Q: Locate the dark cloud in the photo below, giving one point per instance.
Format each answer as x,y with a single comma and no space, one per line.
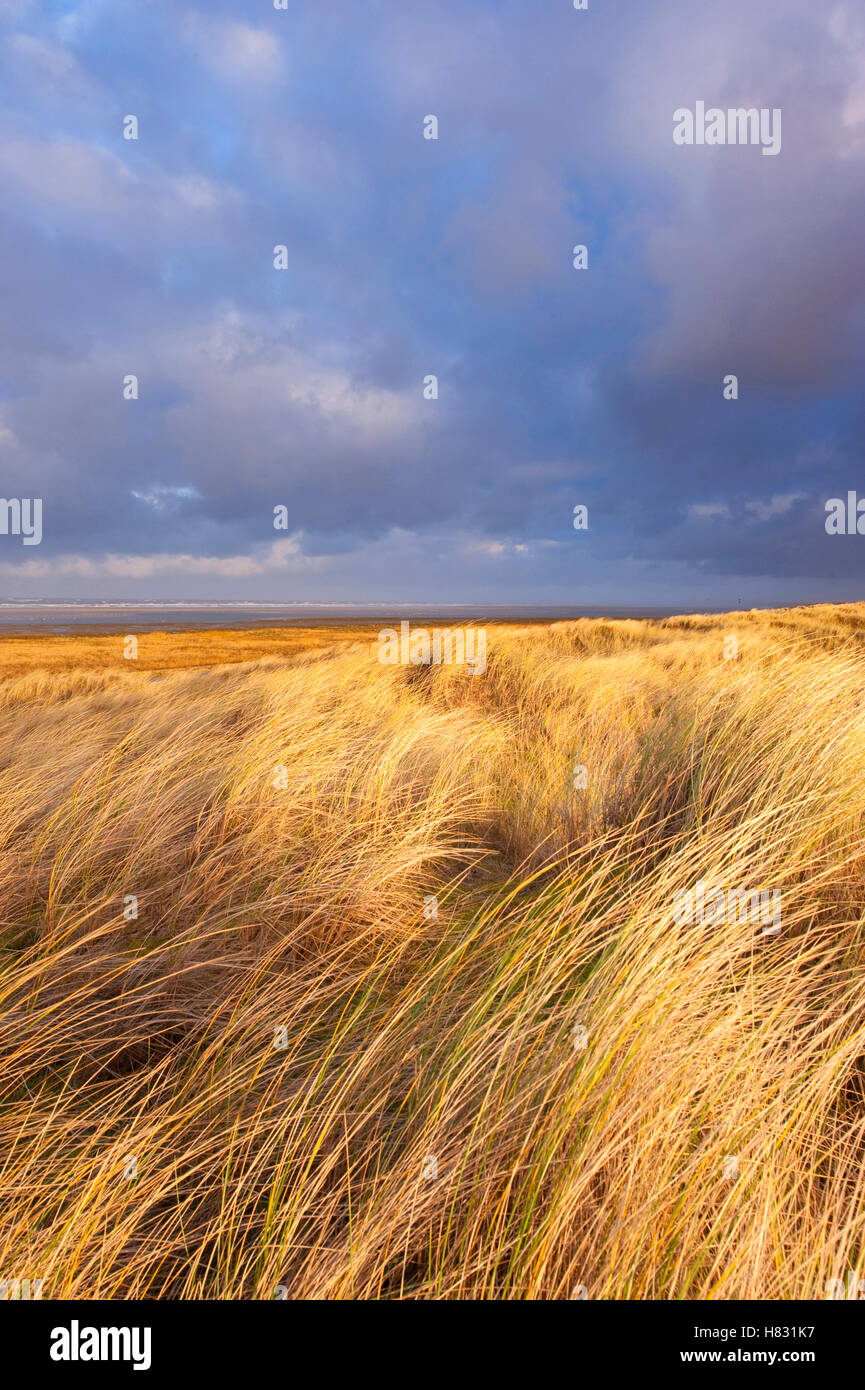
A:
409,257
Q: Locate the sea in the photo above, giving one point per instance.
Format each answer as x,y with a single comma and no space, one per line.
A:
50,616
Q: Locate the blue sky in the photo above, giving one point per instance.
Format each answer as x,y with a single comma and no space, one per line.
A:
303,387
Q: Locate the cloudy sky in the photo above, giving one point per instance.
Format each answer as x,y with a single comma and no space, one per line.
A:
407,257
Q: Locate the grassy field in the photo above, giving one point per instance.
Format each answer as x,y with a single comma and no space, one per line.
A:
166,651
320,977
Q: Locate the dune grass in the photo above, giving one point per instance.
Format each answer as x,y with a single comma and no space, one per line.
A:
244,1054
103,650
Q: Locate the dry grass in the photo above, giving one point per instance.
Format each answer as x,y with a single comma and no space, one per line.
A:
165,651
411,1043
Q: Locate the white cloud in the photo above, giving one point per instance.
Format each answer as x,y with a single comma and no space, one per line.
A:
285,554
239,369
234,50
495,548
94,189
709,511
159,498
778,505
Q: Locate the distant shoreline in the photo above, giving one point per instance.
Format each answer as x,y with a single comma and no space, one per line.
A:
31,619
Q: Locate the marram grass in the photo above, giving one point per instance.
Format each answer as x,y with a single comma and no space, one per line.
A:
243,1054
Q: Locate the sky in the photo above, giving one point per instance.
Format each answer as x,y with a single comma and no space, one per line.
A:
303,388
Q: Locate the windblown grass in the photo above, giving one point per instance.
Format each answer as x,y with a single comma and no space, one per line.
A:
429,1129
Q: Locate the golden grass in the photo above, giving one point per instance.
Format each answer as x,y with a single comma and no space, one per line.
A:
165,651
429,1128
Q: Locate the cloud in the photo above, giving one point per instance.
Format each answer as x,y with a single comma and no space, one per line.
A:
496,548
51,68
760,258
232,49
709,511
161,498
779,505
284,555
100,195
303,387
